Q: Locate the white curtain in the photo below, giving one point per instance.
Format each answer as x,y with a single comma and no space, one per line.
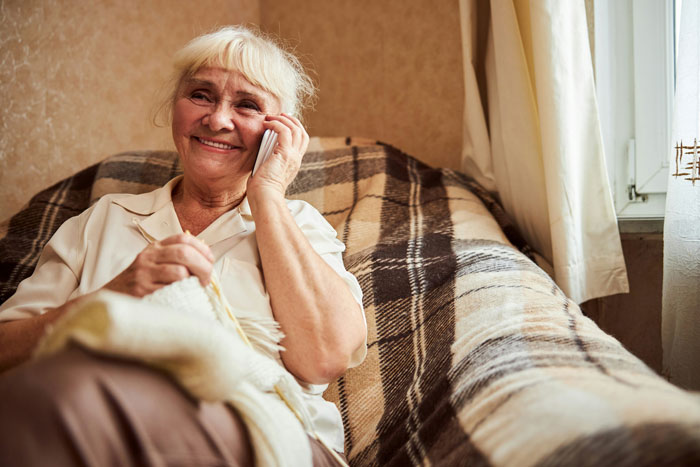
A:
532,134
681,290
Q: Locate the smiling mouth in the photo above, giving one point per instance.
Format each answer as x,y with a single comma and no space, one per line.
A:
214,144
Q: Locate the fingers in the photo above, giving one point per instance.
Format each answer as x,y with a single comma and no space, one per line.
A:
179,253
191,240
291,133
292,142
164,262
170,273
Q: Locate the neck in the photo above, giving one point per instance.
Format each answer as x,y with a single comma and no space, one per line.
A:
197,207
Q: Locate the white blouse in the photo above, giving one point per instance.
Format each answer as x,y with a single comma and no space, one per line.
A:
89,250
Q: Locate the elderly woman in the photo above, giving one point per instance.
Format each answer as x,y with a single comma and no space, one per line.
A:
274,257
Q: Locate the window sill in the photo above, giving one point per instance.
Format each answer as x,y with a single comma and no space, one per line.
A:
641,225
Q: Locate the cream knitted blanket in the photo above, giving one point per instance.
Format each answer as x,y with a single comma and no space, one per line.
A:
208,359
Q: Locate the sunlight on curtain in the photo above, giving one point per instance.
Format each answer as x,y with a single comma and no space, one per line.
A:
680,321
532,133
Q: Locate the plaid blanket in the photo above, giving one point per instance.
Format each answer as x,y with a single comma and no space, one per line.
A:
475,355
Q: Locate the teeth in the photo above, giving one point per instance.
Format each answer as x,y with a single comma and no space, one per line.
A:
215,144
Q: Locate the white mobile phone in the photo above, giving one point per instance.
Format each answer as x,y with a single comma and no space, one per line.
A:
267,145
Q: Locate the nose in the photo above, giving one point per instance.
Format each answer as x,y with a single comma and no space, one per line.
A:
220,118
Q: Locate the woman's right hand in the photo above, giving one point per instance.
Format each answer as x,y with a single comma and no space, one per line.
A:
164,262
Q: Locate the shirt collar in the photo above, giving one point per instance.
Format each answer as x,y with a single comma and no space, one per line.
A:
148,203
162,222
226,226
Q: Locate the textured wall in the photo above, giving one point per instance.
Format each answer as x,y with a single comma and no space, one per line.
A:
389,69
78,80
635,318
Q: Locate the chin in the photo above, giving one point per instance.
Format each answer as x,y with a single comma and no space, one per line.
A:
214,171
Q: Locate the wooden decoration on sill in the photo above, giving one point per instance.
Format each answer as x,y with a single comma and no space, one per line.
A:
693,166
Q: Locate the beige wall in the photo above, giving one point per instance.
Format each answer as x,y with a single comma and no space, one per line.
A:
78,78
390,70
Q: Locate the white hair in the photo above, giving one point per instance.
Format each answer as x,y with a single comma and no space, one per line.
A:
260,59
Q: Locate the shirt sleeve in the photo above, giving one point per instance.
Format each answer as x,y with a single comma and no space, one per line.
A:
324,240
54,279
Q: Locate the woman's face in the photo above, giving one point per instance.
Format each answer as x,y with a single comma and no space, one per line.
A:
218,123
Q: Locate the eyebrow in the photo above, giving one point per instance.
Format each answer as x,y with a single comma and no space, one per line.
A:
207,83
198,82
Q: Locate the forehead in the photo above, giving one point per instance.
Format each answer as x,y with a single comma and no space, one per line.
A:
230,83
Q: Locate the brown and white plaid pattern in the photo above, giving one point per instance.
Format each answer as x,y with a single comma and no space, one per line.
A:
475,357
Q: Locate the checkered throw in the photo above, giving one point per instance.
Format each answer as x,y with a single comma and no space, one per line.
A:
475,357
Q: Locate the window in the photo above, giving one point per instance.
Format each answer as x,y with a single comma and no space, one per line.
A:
634,65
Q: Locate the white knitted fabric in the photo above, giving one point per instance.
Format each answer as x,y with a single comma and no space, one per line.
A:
179,330
189,296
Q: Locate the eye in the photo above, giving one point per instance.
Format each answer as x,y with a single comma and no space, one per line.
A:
248,105
200,98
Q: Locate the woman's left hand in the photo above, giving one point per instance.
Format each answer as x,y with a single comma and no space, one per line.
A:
278,171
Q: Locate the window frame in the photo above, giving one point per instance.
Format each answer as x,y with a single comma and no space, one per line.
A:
634,69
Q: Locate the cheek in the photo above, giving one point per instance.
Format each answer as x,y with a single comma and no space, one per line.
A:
176,130
183,119
252,131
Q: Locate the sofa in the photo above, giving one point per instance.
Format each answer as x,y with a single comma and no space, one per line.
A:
475,356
